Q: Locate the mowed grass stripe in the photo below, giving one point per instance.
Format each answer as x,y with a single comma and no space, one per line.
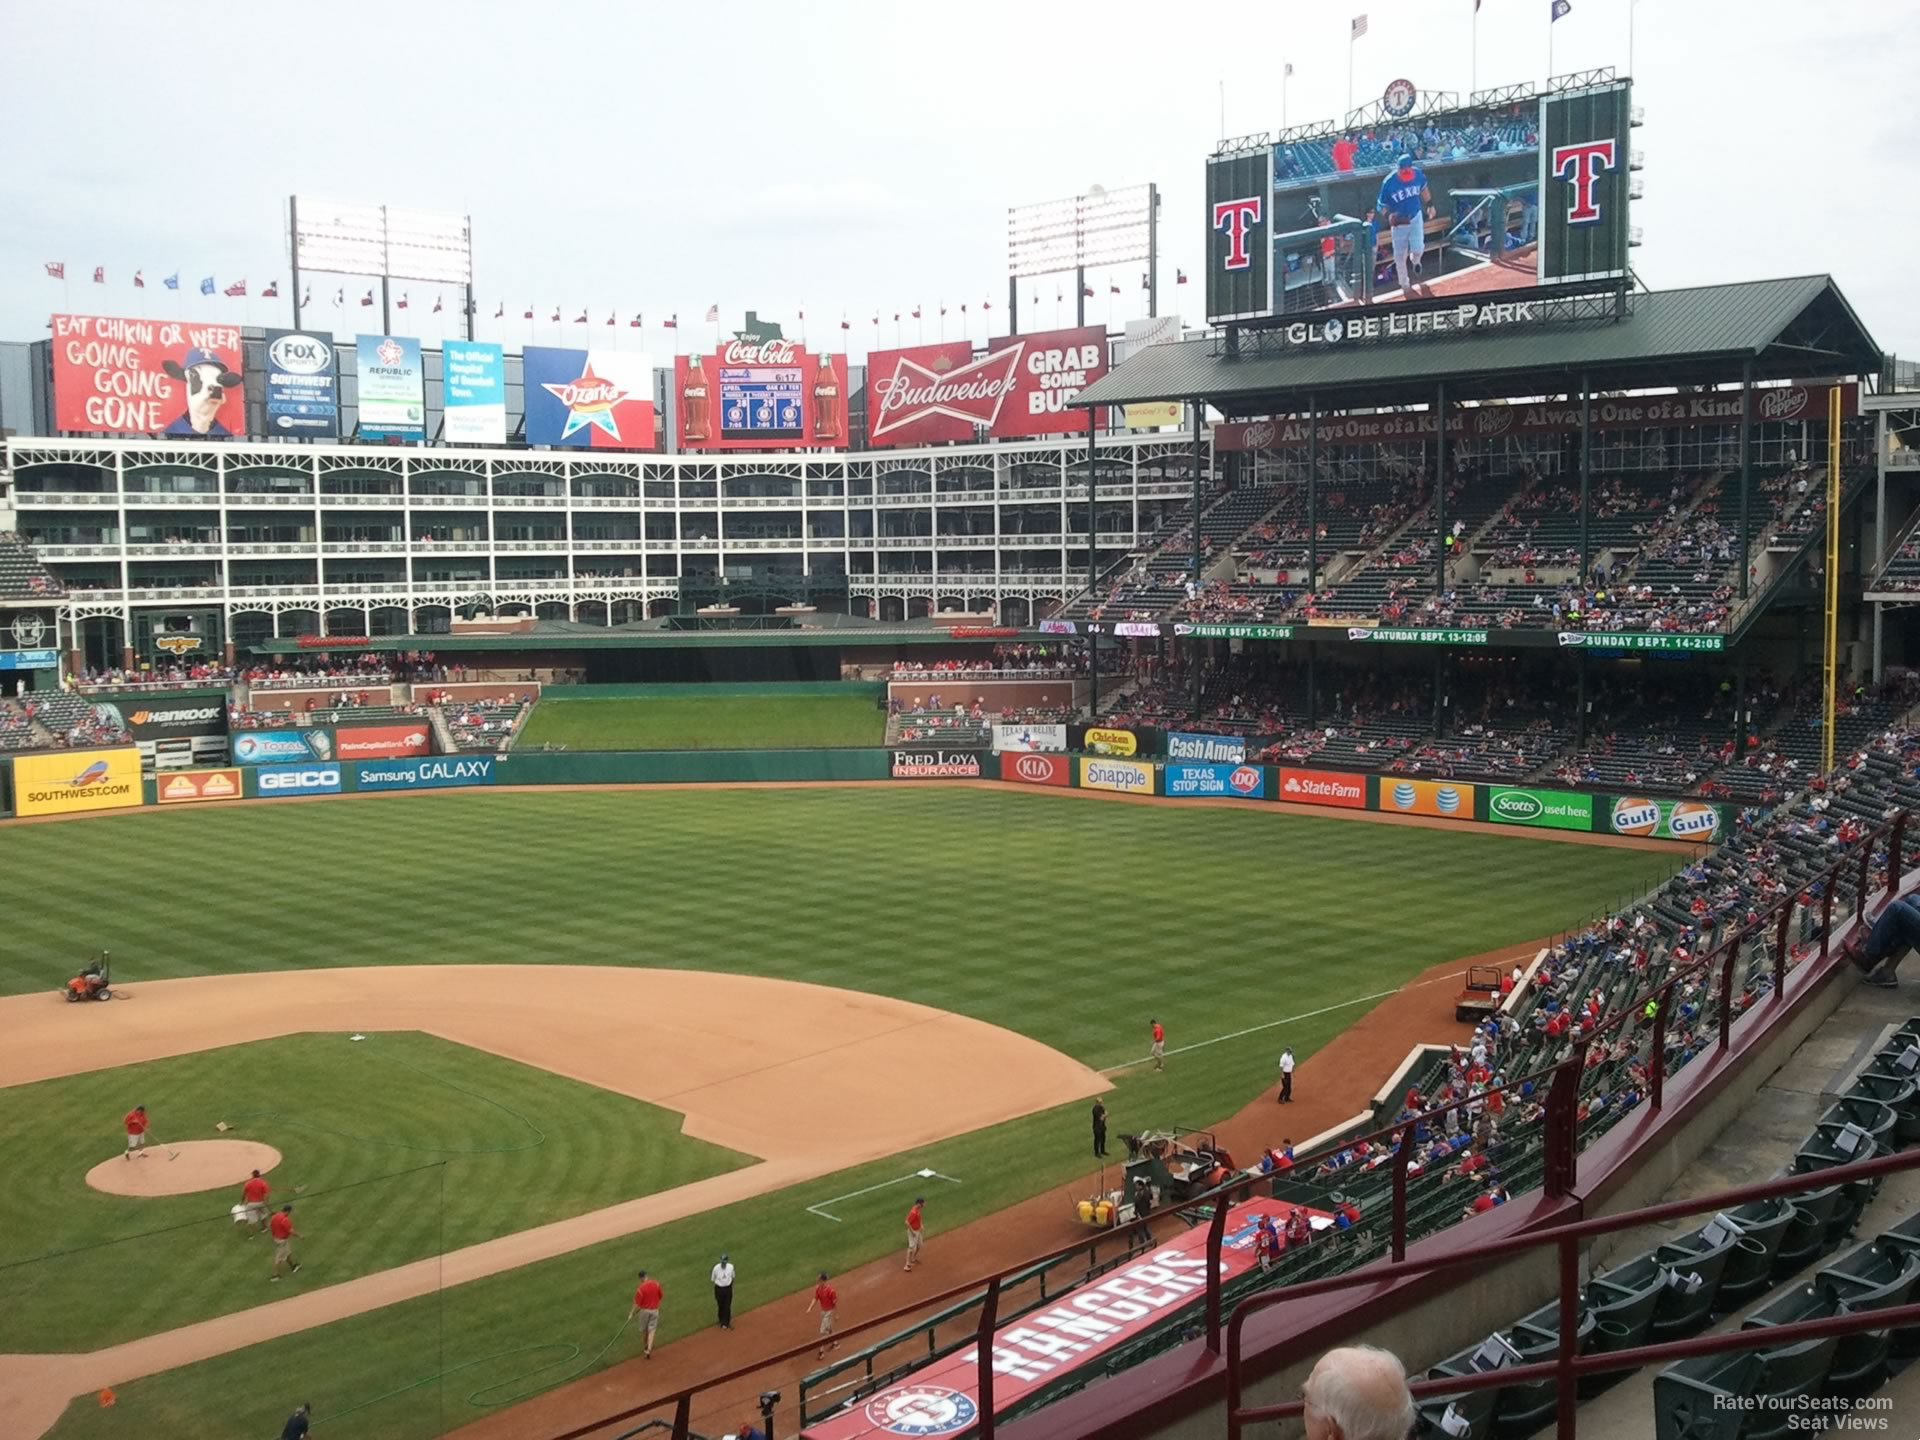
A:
706,722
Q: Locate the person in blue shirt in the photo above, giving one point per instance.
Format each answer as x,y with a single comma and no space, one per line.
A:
1408,204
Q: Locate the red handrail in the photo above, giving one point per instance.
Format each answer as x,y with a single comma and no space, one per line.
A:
1567,1365
1561,1170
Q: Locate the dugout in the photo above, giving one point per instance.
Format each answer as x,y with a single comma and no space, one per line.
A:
1568,383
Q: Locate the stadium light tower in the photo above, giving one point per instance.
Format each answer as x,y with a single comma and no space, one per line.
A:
1101,227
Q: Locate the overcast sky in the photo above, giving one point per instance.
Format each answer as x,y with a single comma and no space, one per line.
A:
853,158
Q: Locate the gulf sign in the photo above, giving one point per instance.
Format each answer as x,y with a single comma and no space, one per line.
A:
1128,777
1426,797
1246,782
1029,768
1322,787
147,377
1694,820
382,742
72,781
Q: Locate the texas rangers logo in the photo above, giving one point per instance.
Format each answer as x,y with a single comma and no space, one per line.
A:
922,1410
1236,217
589,401
1583,164
1399,98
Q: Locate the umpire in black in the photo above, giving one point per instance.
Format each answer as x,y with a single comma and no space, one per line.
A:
1100,1129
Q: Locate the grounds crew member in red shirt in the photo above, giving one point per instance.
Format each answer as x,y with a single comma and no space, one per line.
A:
253,1194
281,1228
828,1299
136,1123
913,1230
646,1304
1159,1047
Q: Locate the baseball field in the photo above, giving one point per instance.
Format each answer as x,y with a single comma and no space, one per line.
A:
716,717
613,1029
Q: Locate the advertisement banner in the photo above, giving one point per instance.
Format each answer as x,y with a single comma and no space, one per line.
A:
1129,777
1217,749
76,780
280,780
1111,742
1248,782
303,384
473,391
1048,370
1337,788
382,742
932,763
589,399
1154,415
179,787
434,773
172,731
927,394
1036,769
278,747
1236,632
1637,640
393,388
1426,797
1029,737
29,659
1663,819
150,377
768,394
1394,635
1547,809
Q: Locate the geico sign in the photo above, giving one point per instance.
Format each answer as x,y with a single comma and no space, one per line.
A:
327,779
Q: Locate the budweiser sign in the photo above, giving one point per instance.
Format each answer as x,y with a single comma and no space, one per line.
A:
920,388
764,352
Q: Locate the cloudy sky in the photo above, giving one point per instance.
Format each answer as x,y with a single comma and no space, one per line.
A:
852,158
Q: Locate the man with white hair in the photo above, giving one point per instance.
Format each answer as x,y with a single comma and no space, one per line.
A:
1358,1392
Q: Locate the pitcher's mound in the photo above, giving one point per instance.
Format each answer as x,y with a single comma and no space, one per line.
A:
200,1165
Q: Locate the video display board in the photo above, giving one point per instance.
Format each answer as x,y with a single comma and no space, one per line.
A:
761,395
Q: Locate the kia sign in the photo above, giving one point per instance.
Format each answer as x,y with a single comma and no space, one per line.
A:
382,742
1323,787
1247,782
303,384
931,763
281,780
1036,769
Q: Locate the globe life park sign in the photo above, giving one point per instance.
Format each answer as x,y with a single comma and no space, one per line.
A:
1468,317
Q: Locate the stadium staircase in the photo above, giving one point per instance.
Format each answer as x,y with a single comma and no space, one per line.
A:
442,732
1899,572
22,576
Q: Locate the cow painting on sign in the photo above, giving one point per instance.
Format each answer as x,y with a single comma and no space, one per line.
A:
208,379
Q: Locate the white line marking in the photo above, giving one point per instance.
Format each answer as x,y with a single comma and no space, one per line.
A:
821,1208
1284,1020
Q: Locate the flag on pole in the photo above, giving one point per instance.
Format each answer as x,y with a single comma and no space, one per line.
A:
206,285
339,298
307,299
1287,69
672,322
436,306
915,312
1179,277
713,313
1087,291
237,289
846,324
610,317
139,280
401,303
272,292
57,269
99,274
581,318
1359,27
499,309
634,323
963,307
172,282
367,299
943,309
1113,289
1145,283
1561,9
986,304
876,317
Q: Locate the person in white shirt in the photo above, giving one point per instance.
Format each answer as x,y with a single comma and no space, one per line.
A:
1286,1076
723,1291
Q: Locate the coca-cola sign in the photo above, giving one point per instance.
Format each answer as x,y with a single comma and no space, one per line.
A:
760,394
1050,371
764,352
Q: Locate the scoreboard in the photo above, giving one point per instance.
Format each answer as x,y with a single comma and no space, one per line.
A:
762,402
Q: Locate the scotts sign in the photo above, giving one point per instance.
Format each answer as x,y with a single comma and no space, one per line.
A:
1023,385
1773,405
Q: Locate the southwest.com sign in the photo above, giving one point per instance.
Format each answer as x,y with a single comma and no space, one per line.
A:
432,773
77,780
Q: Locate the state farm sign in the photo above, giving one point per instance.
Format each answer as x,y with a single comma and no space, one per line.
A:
1023,385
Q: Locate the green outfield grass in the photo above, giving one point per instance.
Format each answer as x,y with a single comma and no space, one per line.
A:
700,722
1067,919
404,1144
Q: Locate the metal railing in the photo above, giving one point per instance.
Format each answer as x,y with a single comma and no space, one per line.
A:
1560,1123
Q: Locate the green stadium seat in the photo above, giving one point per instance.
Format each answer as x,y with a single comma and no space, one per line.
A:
1698,1399
1872,1277
1522,1409
1806,1237
1899,1093
1697,1263
1763,1225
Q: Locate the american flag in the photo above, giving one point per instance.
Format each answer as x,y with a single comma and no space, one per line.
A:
99,274
237,289
1359,27
57,269
713,312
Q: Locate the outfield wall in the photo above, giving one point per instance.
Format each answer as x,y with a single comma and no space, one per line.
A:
328,771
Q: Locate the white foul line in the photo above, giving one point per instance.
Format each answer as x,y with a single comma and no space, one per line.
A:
821,1208
1283,1020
